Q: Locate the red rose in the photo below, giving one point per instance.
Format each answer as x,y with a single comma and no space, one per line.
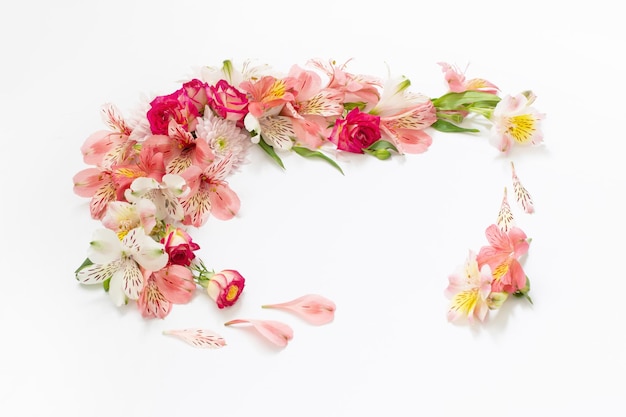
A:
176,106
179,247
356,132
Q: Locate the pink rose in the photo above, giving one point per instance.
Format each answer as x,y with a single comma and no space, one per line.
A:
356,132
228,102
179,247
176,106
225,287
196,92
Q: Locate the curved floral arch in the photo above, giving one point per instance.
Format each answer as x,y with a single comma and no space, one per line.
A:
154,175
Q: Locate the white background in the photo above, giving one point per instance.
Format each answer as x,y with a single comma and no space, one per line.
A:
379,241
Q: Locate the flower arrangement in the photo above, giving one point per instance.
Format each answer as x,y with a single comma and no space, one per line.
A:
156,175
487,278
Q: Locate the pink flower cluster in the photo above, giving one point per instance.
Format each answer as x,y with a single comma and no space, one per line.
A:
489,277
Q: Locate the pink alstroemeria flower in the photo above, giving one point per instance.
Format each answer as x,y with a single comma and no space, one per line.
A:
457,83
502,255
209,193
276,332
267,93
164,288
404,116
313,308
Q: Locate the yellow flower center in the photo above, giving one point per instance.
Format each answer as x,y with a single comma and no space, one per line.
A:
521,128
500,271
277,91
233,290
465,301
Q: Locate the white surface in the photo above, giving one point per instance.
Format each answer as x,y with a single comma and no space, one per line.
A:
380,241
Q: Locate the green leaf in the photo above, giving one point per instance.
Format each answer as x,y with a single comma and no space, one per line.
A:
382,144
358,104
454,101
308,153
271,152
445,126
85,264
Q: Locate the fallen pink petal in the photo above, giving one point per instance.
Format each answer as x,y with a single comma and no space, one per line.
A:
200,338
276,332
313,308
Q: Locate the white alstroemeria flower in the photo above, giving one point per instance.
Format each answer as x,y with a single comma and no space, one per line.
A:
122,216
164,195
277,131
228,72
119,261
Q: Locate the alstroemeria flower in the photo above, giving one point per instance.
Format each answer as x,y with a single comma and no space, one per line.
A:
313,108
354,88
457,83
515,122
267,93
225,287
120,261
164,195
171,285
469,290
502,255
404,116
276,332
313,308
121,216
209,193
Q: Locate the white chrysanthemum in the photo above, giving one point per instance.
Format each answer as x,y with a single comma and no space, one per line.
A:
224,137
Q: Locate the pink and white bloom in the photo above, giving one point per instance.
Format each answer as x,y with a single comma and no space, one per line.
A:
120,261
404,116
313,108
354,88
313,308
515,122
225,287
122,216
469,290
171,285
457,83
165,195
209,193
276,332
502,256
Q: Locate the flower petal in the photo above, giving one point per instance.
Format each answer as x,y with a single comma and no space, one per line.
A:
313,308
276,332
200,338
96,273
521,194
105,247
